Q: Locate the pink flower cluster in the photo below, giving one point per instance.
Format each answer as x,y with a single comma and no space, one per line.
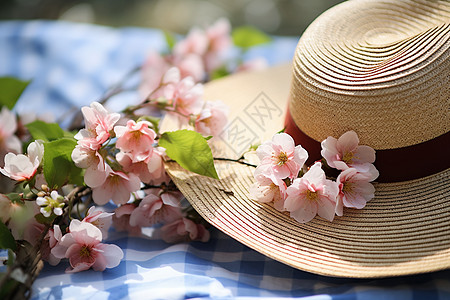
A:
22,167
83,246
182,98
282,178
8,126
159,207
114,176
118,158
201,52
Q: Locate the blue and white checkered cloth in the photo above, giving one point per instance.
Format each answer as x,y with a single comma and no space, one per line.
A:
74,64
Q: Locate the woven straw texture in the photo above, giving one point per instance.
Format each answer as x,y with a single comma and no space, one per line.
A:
375,67
383,65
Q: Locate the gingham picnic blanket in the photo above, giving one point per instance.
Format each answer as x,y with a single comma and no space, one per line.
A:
72,65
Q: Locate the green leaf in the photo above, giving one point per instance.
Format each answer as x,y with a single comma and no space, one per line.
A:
40,130
11,257
58,165
219,73
247,36
10,91
6,238
190,150
170,39
14,197
69,134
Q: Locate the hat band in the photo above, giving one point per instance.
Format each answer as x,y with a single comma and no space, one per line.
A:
394,165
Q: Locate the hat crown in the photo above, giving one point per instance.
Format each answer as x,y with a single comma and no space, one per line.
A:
381,69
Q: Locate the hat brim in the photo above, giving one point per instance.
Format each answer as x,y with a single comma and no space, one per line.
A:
404,230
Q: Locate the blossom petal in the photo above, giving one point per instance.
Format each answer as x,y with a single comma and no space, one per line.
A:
35,152
261,193
306,212
315,173
364,154
339,205
112,255
281,172
348,142
101,195
285,141
326,209
362,192
78,268
59,251
86,229
329,150
371,174
300,155
294,202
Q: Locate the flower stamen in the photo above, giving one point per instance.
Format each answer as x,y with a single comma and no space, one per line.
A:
85,251
347,187
282,158
311,196
348,157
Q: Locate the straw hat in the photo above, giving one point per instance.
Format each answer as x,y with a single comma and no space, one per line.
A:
382,69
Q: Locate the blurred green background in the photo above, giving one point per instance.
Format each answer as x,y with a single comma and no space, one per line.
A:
279,17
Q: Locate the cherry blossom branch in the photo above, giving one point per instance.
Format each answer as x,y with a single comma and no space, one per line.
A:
239,160
118,87
113,91
25,269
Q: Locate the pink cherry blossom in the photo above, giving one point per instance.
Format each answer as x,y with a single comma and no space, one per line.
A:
153,71
99,218
184,230
155,165
121,219
8,126
184,94
195,42
172,76
151,170
190,65
52,238
188,54
219,35
344,153
23,167
117,187
219,39
83,247
355,189
265,190
136,139
93,162
99,123
139,168
156,209
280,158
312,194
212,119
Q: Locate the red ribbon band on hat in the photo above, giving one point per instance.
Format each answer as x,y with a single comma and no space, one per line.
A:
394,165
